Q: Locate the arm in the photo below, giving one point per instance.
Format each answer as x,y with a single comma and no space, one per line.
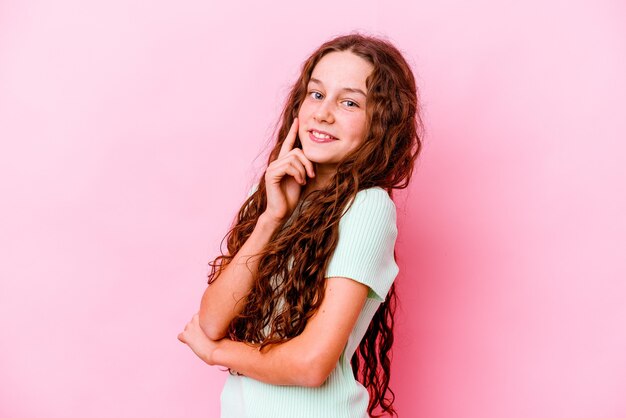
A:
223,299
309,358
284,177
362,262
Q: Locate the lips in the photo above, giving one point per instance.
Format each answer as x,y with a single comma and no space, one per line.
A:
320,140
322,132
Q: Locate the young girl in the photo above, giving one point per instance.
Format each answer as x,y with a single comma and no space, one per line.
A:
302,305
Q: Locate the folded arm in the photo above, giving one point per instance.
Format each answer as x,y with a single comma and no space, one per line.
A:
309,358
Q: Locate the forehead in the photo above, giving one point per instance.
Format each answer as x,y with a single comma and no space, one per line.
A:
342,69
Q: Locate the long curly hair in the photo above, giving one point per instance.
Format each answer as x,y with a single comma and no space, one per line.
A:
385,159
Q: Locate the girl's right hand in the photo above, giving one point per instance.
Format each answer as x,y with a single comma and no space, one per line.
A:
285,177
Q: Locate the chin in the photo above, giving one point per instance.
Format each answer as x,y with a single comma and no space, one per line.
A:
315,157
307,153
317,154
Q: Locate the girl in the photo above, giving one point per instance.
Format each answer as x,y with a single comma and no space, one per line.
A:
302,305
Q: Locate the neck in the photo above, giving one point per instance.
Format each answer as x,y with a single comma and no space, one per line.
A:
322,177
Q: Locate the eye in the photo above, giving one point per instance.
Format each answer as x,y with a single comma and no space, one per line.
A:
354,104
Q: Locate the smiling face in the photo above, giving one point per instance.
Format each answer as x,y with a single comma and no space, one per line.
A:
334,104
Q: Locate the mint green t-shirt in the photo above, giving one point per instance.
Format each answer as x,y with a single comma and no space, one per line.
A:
364,253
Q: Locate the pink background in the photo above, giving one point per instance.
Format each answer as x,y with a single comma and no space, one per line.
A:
130,132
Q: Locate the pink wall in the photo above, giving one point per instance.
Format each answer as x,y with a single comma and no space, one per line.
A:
120,122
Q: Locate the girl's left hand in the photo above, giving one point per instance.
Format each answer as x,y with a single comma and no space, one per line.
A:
197,340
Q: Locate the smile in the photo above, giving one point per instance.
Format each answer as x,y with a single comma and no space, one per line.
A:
320,138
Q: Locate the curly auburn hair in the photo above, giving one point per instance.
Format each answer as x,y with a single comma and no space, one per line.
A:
386,159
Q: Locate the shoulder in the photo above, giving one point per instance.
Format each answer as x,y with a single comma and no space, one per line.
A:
371,203
366,242
375,194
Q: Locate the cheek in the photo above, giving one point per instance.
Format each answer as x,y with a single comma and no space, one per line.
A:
304,105
358,127
301,136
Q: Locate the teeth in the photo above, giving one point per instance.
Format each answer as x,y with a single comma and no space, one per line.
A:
319,135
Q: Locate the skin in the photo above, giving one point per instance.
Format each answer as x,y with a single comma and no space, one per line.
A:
309,358
329,108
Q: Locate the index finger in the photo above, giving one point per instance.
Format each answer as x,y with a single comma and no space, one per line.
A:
290,139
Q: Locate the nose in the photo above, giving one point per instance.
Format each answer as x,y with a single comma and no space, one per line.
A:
324,113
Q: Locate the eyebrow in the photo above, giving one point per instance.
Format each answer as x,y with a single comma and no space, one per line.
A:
350,89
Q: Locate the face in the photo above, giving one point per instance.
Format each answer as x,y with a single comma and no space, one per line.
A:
334,104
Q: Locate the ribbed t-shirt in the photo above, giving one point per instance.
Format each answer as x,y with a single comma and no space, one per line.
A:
364,253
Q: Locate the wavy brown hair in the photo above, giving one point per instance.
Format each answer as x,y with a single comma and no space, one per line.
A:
386,159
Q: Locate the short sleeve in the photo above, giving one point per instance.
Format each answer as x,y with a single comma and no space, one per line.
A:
367,237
